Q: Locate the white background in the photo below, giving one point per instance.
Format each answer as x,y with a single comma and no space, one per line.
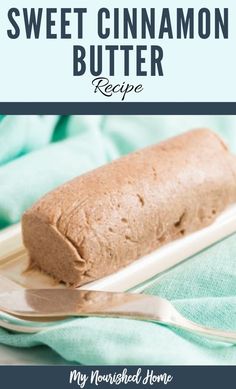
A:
42,70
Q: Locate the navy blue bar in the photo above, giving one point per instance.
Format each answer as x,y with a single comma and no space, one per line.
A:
108,108
183,377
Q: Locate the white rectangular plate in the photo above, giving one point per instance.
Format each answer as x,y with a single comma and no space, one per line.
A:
13,257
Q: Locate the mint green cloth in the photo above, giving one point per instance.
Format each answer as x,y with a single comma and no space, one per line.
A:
203,288
22,134
24,180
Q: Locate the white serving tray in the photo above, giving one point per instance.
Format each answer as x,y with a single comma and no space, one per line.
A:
13,258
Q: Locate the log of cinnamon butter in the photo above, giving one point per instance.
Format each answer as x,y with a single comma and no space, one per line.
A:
107,218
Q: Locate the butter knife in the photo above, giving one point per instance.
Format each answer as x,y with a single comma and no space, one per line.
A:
46,305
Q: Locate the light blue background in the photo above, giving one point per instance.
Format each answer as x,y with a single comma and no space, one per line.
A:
41,70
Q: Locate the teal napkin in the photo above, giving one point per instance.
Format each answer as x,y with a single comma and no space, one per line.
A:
202,288
22,134
24,180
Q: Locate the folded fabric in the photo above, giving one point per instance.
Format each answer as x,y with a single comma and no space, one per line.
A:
69,126
24,180
202,288
129,133
22,134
